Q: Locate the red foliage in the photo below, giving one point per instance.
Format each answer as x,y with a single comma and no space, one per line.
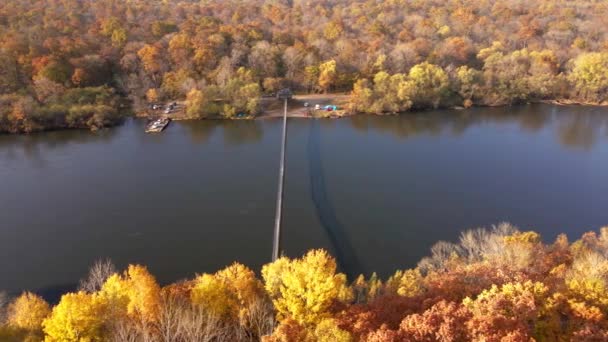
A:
444,321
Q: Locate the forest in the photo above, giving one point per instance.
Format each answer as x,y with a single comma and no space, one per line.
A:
90,63
495,284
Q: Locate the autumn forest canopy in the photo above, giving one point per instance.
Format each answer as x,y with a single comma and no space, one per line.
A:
497,284
86,63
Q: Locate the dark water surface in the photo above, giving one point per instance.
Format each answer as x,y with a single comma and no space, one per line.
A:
376,191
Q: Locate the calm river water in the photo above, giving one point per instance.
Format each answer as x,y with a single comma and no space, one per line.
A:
375,191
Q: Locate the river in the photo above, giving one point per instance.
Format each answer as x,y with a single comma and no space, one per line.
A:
377,192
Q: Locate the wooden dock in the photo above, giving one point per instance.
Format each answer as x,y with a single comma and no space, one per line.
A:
158,125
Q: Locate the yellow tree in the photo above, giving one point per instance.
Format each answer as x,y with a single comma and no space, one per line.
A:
327,75
195,103
361,97
304,289
228,293
180,48
144,293
405,283
366,290
136,293
328,331
242,282
468,84
214,296
589,76
175,83
151,59
28,311
430,84
587,279
152,95
333,30
203,103
78,317
113,29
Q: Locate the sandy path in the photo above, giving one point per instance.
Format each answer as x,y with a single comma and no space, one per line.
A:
272,108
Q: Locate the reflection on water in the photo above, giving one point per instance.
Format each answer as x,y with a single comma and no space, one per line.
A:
200,131
581,131
574,126
577,127
239,132
33,146
235,132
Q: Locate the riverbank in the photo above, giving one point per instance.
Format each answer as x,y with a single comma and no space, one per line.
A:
273,108
568,102
296,108
542,290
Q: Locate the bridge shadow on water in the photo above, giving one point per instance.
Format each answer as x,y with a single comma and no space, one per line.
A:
338,236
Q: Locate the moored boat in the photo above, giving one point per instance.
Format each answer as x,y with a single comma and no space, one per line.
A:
158,125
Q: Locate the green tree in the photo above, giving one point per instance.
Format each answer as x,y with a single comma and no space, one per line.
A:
58,71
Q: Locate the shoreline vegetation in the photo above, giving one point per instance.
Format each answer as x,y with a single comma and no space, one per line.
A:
89,64
497,284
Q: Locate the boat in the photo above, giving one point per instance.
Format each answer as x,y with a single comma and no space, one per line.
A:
158,125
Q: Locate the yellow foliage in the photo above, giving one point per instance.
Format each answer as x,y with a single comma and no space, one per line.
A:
152,95
305,288
114,291
215,296
144,293
406,283
149,56
136,293
327,75
529,237
228,293
496,48
587,279
77,318
272,275
242,282
430,83
332,31
590,75
586,312
179,41
444,30
517,251
592,290
366,290
509,291
469,82
328,331
28,311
